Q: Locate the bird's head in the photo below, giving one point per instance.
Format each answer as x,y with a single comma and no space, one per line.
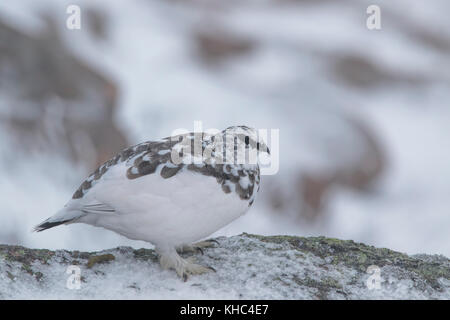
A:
249,137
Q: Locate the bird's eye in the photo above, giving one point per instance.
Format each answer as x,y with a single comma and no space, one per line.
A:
247,140
257,146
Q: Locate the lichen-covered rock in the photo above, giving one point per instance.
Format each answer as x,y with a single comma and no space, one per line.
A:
248,267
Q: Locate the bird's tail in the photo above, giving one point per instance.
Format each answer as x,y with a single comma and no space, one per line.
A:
63,216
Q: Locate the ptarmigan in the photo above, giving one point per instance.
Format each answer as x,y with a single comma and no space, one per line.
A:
171,192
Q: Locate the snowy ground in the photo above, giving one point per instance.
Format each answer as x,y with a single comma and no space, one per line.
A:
247,267
164,87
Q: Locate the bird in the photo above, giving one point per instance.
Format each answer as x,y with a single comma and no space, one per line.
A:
171,192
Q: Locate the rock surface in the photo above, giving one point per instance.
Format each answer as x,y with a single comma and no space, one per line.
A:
248,267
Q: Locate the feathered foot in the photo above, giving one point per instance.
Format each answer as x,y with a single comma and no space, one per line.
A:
184,267
196,247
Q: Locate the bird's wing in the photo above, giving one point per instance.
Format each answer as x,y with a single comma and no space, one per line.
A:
97,208
140,160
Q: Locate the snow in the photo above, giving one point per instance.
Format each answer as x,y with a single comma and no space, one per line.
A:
246,268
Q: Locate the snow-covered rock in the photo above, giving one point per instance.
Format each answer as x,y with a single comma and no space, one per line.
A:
248,267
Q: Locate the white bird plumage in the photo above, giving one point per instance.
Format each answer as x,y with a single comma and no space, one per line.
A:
143,195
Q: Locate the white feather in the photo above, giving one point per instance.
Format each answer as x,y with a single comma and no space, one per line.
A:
181,209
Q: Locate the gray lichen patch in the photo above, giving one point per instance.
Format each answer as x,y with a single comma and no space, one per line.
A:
145,255
103,258
25,255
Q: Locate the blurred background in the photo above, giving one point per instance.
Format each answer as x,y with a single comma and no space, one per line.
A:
364,115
